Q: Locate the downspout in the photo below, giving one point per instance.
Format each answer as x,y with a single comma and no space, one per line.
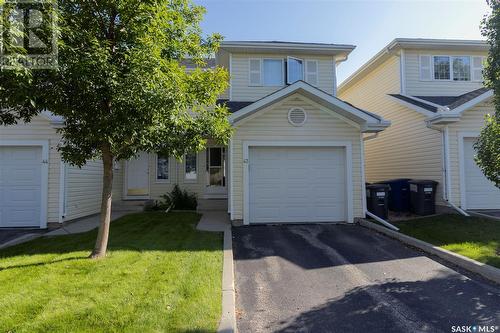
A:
363,180
446,168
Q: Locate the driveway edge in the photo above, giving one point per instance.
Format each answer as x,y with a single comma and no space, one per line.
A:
227,323
486,271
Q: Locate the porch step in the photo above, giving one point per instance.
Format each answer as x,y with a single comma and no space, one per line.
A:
129,205
212,204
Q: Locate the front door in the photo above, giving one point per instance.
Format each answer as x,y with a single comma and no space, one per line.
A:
216,171
138,177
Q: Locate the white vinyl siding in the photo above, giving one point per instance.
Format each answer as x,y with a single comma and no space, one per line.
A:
272,125
406,149
471,122
419,81
83,190
242,90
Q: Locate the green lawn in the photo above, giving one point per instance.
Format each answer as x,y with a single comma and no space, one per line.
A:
473,237
160,275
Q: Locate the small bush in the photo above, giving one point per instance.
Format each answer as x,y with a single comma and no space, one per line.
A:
179,199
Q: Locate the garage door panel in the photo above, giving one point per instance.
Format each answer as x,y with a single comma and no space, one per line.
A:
480,193
308,184
21,186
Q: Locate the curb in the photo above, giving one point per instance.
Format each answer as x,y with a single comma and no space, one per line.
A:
21,239
227,323
489,272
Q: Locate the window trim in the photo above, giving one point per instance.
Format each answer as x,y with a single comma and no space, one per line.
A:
282,72
470,68
161,181
450,68
287,67
186,180
250,84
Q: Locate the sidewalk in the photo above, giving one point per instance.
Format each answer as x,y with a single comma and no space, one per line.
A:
81,225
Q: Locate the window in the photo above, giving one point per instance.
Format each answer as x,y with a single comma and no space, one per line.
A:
273,72
161,167
190,166
441,68
295,70
254,72
461,68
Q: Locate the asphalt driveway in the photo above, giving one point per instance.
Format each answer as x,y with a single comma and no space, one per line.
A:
345,278
7,235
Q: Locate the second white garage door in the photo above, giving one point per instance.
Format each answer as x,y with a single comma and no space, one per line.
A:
297,184
20,186
480,193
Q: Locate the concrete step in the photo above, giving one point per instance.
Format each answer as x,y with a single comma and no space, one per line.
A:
129,205
212,204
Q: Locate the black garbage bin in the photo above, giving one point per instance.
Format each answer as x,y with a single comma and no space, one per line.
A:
377,196
423,196
399,194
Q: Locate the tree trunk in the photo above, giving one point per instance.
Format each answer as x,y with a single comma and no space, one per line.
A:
101,243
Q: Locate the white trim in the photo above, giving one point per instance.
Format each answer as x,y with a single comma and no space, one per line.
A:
363,176
62,191
461,165
446,143
162,181
430,70
348,157
473,102
481,67
44,173
413,106
231,76
295,87
334,76
290,119
402,72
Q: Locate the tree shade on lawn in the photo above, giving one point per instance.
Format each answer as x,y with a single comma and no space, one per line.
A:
161,275
473,237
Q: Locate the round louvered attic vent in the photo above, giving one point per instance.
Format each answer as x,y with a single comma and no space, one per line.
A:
297,116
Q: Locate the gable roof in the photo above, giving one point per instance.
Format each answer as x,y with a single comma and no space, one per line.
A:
411,43
233,106
369,122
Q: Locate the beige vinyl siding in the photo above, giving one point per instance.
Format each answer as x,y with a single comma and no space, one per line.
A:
176,176
272,125
83,189
407,149
40,129
416,87
472,121
241,91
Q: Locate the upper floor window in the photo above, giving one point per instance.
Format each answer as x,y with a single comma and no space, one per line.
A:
451,68
270,72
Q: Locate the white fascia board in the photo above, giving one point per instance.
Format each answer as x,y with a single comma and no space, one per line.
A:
473,102
296,87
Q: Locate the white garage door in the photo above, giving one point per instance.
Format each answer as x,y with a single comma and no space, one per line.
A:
20,186
480,193
297,184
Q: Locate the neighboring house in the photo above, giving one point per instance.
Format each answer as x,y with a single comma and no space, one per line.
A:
432,92
296,154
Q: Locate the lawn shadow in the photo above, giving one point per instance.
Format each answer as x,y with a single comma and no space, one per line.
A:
35,264
149,231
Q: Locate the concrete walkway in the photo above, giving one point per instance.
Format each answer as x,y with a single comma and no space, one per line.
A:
84,224
216,221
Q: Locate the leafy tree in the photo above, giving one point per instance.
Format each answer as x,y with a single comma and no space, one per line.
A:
121,87
488,144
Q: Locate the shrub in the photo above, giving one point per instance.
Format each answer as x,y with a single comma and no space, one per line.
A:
179,199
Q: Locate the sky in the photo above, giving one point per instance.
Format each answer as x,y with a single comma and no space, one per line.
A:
370,25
